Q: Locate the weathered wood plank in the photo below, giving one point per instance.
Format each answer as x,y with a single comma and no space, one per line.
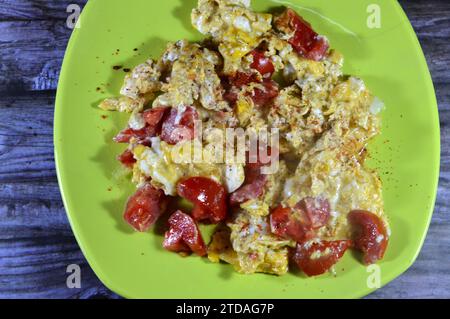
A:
429,18
436,53
32,53
13,10
38,269
36,241
26,139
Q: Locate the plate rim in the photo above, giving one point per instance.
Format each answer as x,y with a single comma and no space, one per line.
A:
89,255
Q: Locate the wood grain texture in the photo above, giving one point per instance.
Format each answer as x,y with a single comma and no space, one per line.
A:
36,242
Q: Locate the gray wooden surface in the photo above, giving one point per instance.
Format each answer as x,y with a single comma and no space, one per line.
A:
36,242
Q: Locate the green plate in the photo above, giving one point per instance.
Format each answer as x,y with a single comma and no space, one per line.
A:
134,265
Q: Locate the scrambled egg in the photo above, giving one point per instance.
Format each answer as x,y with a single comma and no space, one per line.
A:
325,119
250,247
164,164
233,25
193,68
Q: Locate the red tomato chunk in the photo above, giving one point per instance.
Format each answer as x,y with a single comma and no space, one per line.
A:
253,188
305,40
153,119
370,235
209,196
260,96
127,158
145,207
179,127
262,64
300,222
183,235
255,181
318,258
141,136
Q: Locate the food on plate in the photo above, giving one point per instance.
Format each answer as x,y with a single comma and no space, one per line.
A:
300,202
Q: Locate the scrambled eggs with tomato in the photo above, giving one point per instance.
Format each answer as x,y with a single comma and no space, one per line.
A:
254,71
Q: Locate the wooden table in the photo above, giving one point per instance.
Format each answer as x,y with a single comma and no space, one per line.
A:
36,242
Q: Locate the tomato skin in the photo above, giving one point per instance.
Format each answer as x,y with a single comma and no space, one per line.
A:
145,207
299,223
262,64
318,50
287,224
173,241
199,213
304,40
154,118
177,128
240,79
127,158
142,136
317,211
232,84
208,195
255,180
332,250
262,97
252,189
183,235
370,235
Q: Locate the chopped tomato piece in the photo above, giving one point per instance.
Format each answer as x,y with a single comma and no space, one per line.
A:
145,207
318,258
127,158
184,235
142,136
300,222
173,241
233,84
200,213
287,223
370,235
317,211
252,189
304,40
209,196
230,96
255,180
318,50
261,97
179,127
154,118
240,79
262,64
